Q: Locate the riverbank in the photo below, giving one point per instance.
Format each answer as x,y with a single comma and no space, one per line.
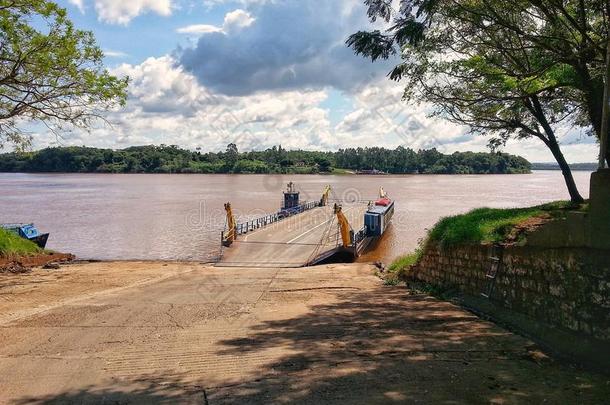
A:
18,255
20,264
486,226
543,271
152,332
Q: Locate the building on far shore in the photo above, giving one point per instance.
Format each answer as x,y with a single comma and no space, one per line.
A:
373,171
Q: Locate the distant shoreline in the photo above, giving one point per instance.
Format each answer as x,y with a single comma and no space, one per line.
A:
299,174
276,160
574,167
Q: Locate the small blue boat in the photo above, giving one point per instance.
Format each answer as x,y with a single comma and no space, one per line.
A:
29,232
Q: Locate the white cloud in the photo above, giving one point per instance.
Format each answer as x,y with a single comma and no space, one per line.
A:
198,29
245,3
234,21
381,118
168,105
79,4
237,19
292,45
536,151
123,11
114,54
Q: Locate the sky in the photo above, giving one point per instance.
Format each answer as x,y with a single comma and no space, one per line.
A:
258,73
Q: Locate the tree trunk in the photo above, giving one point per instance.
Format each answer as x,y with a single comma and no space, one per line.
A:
594,99
551,142
575,196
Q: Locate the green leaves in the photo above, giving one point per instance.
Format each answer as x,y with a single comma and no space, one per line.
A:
407,31
374,45
50,71
504,68
484,63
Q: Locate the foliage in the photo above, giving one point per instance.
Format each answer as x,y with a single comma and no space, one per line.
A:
49,71
505,68
13,245
404,160
400,266
403,262
171,159
588,167
397,271
490,225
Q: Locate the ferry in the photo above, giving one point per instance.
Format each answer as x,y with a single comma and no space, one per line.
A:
378,216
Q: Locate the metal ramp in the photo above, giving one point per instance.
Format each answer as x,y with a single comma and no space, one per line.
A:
295,241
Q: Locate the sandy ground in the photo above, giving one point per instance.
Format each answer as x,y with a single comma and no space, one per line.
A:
139,332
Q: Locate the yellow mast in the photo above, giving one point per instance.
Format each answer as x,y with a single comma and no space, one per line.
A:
382,193
231,226
343,227
325,194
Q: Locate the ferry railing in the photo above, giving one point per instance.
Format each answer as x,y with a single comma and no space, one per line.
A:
359,236
360,200
249,226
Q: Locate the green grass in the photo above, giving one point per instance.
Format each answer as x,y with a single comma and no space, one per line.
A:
397,270
12,245
483,225
491,225
403,262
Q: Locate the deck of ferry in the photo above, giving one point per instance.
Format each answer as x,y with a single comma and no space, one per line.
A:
296,241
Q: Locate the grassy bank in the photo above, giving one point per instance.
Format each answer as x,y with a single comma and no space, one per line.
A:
494,225
485,225
12,245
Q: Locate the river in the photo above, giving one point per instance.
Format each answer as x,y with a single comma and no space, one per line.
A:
180,216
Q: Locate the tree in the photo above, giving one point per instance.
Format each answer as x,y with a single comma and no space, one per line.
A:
324,165
231,156
169,159
50,72
508,69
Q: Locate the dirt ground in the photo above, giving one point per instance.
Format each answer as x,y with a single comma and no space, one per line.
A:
151,332
24,263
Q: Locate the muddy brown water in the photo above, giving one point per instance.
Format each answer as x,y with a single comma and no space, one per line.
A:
179,217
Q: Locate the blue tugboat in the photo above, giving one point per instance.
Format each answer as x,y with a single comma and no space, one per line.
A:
378,216
29,232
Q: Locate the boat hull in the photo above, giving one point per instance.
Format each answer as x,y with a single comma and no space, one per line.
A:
41,240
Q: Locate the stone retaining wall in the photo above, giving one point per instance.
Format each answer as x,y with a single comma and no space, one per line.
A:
567,287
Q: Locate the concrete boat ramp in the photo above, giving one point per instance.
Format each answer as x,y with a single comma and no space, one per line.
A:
299,240
185,333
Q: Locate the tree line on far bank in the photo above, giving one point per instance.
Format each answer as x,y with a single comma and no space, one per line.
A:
172,159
